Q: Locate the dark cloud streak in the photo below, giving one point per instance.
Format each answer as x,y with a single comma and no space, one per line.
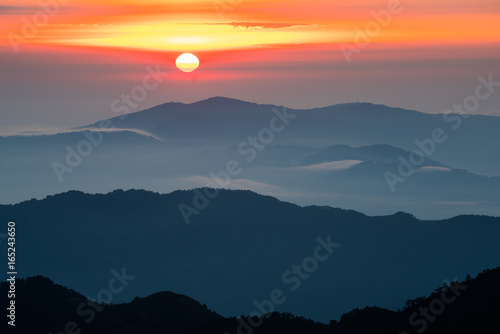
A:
259,25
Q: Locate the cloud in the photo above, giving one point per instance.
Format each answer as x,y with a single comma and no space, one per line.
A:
136,131
433,169
12,10
242,184
457,203
330,166
261,25
11,131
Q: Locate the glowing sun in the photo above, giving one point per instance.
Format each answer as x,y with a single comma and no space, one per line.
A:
187,62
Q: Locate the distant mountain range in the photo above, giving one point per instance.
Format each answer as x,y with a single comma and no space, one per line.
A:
471,306
261,229
240,246
471,140
375,179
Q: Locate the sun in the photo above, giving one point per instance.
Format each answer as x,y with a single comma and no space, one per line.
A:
187,62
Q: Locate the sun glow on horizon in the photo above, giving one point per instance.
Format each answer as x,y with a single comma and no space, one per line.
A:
148,25
187,62
290,39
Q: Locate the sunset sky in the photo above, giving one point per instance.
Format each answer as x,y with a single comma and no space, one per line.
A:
67,70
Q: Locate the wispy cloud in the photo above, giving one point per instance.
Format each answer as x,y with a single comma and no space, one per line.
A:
457,203
261,25
330,166
242,184
15,10
37,131
433,169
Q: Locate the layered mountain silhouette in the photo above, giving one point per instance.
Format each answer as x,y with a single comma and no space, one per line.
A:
45,307
470,142
358,156
240,246
471,306
260,231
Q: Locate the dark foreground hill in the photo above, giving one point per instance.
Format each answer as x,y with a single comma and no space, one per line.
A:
44,307
467,307
241,246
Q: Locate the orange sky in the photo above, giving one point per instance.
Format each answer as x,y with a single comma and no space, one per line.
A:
178,25
259,39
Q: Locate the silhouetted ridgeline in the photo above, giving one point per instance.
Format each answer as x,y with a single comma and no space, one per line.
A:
469,307
241,246
472,145
392,163
44,307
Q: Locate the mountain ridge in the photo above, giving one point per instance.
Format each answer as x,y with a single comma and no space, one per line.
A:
473,305
219,120
237,230
78,194
227,102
